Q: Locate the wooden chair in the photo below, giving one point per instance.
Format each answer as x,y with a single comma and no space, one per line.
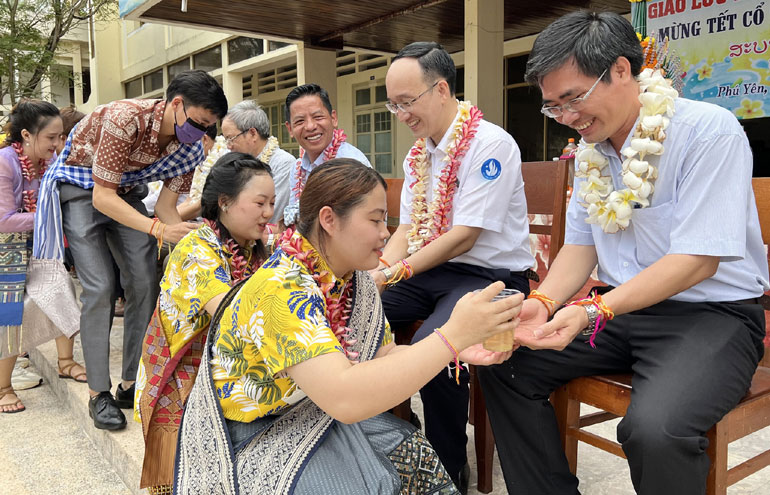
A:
393,195
612,394
545,186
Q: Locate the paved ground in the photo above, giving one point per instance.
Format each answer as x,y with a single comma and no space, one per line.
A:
42,450
53,448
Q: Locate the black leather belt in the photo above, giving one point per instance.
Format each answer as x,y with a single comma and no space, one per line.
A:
753,300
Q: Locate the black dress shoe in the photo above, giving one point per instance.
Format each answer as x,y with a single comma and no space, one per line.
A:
105,413
462,479
125,398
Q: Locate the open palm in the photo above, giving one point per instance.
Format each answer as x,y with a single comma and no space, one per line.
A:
476,354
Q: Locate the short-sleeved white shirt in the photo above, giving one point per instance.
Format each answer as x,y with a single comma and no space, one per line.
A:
703,204
490,195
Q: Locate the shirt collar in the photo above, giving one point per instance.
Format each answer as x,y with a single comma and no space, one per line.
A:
442,145
321,267
319,160
157,116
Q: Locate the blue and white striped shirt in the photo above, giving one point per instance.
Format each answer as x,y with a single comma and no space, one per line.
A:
346,150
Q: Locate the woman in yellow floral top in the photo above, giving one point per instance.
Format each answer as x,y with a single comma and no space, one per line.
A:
302,363
236,202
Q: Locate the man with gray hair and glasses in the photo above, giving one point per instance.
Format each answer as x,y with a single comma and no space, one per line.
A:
683,263
246,129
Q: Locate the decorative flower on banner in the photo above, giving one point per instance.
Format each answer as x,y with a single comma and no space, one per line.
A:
704,72
749,109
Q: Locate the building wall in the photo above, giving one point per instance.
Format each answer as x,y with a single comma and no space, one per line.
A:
142,49
247,78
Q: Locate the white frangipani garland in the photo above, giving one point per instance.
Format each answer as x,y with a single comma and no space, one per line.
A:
267,152
607,207
202,171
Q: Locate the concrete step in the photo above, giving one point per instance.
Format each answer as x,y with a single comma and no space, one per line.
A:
122,450
44,450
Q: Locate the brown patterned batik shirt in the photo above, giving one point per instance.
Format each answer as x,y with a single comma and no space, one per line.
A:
122,136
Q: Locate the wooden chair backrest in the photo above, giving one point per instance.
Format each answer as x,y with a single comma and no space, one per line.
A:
393,195
545,185
761,187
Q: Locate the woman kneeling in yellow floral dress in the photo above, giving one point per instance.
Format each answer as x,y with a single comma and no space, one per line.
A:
302,363
236,203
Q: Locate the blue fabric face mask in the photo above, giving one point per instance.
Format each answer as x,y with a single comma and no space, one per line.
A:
190,131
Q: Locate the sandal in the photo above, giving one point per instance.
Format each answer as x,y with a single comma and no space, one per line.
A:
9,391
66,371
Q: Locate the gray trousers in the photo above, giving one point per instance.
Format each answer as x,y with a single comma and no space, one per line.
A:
95,240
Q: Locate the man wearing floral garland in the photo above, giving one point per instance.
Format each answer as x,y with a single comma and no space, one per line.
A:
93,195
312,121
683,260
463,224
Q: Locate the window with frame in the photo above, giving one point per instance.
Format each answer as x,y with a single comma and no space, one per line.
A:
539,138
276,112
243,48
133,88
153,80
208,60
374,128
178,67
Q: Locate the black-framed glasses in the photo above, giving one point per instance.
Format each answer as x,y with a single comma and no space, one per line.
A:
404,107
571,106
229,141
193,123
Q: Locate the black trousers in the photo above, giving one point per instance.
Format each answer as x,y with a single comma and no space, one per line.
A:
431,296
692,363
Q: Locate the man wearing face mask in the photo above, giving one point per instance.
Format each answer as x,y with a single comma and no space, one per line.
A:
93,194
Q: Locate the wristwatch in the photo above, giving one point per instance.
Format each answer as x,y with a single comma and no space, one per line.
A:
593,315
387,272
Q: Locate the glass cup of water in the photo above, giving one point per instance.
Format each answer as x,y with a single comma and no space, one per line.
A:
503,341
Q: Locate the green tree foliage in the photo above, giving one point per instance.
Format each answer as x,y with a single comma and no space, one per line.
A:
30,33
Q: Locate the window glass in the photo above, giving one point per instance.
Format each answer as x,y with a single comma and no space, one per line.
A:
153,81
134,88
242,48
208,60
178,67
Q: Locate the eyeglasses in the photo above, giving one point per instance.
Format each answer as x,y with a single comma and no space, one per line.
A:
192,122
230,140
404,107
571,106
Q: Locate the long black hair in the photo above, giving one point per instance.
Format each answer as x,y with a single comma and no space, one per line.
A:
29,114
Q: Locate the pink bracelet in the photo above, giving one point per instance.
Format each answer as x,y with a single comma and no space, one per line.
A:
437,331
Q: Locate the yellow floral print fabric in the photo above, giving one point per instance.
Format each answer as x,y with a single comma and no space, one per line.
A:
277,320
197,271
